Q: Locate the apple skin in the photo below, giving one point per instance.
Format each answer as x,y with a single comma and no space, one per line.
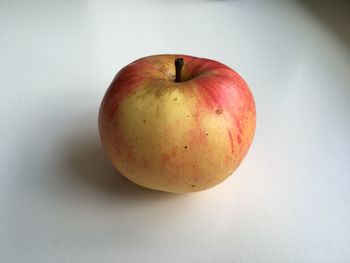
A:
177,136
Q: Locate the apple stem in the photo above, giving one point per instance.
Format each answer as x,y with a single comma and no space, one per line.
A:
179,62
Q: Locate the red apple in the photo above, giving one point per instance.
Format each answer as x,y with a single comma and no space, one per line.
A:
177,123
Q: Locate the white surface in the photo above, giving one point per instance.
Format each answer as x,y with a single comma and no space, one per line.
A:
60,199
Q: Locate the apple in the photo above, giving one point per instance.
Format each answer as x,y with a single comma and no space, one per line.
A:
177,123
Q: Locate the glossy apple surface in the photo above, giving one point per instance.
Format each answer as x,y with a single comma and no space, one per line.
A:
177,136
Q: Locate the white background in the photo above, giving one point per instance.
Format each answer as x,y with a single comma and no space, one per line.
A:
61,200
